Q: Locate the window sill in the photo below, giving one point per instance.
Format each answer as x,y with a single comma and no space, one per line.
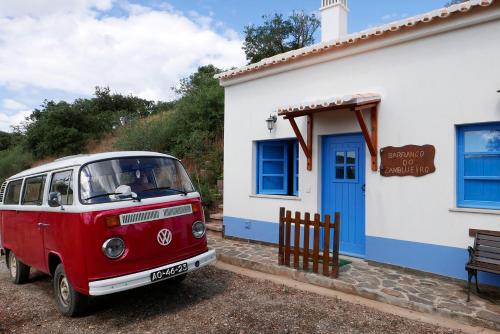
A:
288,198
472,210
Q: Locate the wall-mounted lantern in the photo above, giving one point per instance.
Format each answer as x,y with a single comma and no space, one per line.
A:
271,121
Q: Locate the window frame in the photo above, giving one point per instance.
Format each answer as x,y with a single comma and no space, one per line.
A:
8,188
42,192
345,165
461,202
78,184
71,182
290,167
296,168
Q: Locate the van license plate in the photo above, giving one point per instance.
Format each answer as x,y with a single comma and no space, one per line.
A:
169,272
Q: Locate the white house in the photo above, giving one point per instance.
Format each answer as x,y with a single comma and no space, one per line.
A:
426,80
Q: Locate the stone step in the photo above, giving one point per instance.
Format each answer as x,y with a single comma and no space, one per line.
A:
212,226
217,216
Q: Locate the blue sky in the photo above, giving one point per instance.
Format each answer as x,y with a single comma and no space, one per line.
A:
363,13
61,50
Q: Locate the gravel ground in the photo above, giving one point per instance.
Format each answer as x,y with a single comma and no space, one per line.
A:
208,301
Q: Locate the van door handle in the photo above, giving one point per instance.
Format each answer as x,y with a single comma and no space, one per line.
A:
43,225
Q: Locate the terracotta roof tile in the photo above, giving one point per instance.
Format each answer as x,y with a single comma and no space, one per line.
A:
331,102
352,39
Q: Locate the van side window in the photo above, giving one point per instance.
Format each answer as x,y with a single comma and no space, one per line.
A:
13,193
62,183
33,190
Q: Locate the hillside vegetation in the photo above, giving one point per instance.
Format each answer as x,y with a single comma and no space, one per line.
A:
190,128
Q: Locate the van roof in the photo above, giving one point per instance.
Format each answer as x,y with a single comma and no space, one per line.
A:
78,160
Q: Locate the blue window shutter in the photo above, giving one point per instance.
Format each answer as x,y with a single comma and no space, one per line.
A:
273,168
478,166
460,165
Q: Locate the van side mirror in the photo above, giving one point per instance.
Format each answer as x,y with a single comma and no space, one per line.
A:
55,199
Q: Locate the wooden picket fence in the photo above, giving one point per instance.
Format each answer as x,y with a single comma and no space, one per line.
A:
285,248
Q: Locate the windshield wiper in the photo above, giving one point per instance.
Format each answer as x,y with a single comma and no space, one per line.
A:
166,188
111,194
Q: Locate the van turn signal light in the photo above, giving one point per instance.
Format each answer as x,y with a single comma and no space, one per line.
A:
196,207
112,221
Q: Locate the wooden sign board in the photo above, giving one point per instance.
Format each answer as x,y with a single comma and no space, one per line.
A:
410,160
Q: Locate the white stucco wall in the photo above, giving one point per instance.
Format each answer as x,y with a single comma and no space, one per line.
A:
427,85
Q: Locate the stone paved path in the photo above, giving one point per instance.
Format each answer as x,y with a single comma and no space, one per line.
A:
405,288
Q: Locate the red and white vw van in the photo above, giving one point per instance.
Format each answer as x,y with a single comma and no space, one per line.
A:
102,223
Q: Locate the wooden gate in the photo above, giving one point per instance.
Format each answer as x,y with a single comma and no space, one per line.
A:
285,248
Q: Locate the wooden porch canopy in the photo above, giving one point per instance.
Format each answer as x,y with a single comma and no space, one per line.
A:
356,103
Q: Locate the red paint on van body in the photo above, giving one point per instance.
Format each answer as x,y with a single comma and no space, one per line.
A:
77,239
21,233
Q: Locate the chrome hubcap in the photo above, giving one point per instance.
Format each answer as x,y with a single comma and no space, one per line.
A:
64,290
13,265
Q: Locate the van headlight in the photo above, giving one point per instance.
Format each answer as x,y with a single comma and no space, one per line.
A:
198,229
113,248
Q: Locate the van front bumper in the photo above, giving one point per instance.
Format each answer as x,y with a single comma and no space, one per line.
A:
132,281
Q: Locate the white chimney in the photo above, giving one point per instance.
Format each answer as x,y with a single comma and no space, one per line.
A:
333,19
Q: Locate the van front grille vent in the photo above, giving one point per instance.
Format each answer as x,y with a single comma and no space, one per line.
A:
2,191
150,215
139,217
177,211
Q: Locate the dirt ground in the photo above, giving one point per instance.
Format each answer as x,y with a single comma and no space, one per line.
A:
208,301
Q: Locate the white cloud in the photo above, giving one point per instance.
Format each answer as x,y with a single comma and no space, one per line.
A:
13,104
72,47
38,8
8,120
491,135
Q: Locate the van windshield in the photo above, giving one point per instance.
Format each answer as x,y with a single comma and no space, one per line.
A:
146,176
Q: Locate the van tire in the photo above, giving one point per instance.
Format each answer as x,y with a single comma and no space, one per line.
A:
19,272
70,302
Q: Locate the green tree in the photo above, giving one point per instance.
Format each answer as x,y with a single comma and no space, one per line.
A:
6,140
57,128
191,129
12,161
279,34
61,128
454,2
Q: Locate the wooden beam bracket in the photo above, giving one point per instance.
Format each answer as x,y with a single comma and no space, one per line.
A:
370,135
306,146
370,138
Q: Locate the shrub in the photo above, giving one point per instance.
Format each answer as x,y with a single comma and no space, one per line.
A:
63,128
191,130
6,140
12,161
144,134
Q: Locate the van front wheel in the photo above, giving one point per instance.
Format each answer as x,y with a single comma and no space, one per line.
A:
19,272
70,302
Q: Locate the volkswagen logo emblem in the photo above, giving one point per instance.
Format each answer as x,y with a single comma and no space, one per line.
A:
164,237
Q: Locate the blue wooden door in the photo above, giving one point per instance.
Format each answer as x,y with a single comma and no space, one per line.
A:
343,189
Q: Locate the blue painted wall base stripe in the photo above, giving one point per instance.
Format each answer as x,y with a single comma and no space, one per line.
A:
441,260
251,229
436,259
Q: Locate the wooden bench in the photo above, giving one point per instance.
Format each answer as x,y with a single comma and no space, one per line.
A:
484,256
